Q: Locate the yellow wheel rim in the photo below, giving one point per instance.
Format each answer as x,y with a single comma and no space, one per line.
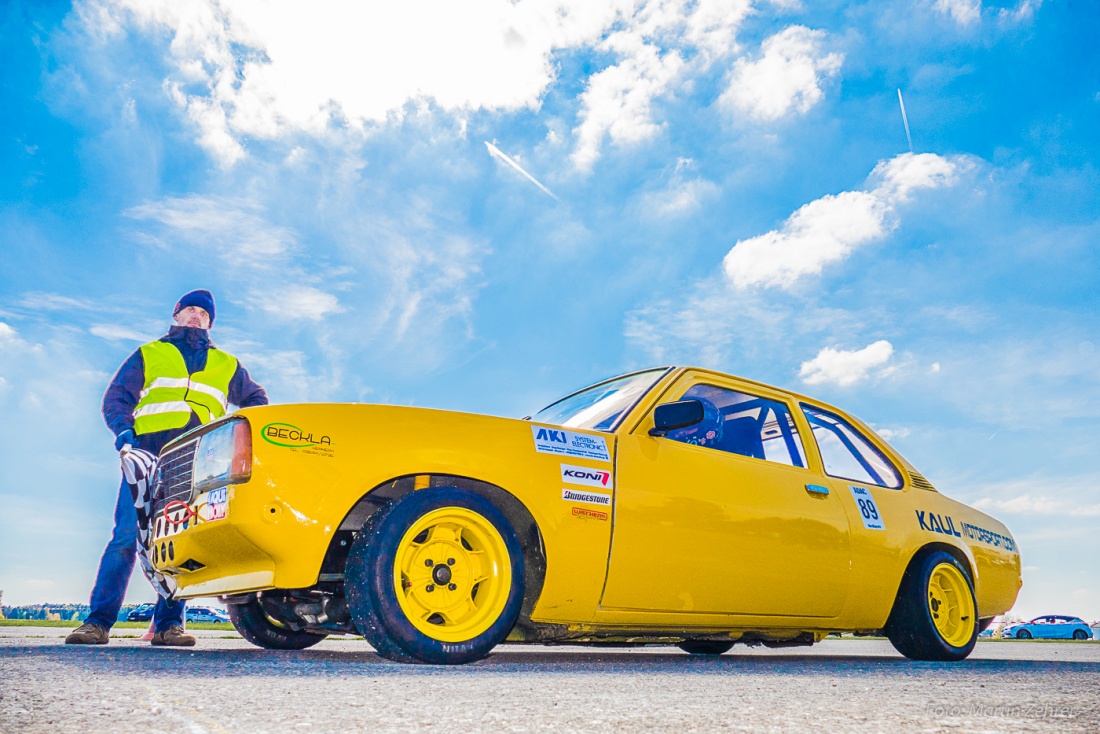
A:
951,605
452,574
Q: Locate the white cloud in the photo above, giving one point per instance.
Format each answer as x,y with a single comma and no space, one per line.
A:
297,302
821,232
250,68
829,229
233,229
1022,13
616,102
891,434
845,368
787,76
680,198
963,12
115,332
1037,504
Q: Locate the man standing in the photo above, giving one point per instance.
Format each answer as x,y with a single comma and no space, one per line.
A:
164,389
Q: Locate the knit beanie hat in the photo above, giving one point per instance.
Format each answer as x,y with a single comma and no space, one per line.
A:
200,298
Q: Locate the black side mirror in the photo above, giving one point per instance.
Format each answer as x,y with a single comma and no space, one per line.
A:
680,414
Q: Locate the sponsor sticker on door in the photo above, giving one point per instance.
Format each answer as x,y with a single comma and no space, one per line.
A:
586,476
590,498
868,510
549,440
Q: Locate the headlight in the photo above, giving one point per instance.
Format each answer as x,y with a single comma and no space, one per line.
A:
224,456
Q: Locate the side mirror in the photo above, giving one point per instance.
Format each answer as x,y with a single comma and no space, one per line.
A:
680,414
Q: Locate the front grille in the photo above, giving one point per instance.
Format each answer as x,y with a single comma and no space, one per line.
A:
920,482
174,477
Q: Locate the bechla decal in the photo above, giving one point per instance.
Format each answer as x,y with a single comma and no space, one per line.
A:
292,437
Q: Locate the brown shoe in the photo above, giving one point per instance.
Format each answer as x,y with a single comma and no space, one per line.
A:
88,634
174,636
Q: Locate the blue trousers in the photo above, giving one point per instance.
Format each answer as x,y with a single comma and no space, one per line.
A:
117,565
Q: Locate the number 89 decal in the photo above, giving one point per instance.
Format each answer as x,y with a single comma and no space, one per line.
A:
868,510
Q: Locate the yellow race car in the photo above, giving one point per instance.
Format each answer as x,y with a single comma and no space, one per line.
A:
671,506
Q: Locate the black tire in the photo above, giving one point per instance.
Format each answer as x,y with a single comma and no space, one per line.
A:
911,627
1023,635
253,623
1080,635
705,647
372,596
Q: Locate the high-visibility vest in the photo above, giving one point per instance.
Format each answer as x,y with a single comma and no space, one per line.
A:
170,395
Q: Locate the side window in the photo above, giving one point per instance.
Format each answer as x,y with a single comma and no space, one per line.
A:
743,424
847,454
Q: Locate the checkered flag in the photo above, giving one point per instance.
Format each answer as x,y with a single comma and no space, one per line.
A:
139,468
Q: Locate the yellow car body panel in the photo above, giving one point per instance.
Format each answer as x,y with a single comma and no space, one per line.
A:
681,537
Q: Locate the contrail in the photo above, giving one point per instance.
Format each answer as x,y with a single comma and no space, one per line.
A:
905,120
496,153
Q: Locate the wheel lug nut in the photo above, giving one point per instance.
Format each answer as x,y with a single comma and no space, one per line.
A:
450,561
429,588
452,587
428,562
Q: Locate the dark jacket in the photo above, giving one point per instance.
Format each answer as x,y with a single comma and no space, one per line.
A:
124,392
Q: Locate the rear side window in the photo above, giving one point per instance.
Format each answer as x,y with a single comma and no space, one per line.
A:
846,453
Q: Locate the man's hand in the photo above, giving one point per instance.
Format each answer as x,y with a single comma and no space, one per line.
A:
126,437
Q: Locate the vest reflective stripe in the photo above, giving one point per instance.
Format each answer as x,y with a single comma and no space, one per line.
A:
170,395
181,406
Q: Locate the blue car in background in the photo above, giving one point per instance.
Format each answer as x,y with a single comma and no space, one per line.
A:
1050,627
206,614
141,613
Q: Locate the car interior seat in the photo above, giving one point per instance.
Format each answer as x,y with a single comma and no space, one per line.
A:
742,436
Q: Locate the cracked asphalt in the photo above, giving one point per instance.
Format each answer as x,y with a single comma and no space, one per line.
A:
226,685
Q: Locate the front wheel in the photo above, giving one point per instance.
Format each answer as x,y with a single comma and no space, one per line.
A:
437,579
705,647
1080,635
1023,635
254,624
934,615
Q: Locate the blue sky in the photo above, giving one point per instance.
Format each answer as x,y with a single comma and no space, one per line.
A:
725,183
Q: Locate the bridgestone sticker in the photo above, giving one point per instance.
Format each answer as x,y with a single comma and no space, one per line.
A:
587,477
872,520
567,443
590,498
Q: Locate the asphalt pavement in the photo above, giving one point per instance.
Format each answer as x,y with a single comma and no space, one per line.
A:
226,685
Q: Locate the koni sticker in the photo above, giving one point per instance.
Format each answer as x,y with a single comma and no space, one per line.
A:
587,477
591,498
868,510
569,443
585,513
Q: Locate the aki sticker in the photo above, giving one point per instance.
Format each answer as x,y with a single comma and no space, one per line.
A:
868,510
569,443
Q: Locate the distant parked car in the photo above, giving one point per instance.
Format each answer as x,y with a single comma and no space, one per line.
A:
206,614
141,613
1049,627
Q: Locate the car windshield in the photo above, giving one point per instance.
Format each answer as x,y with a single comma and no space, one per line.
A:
600,406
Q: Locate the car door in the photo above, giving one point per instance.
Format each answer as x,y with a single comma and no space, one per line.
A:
725,516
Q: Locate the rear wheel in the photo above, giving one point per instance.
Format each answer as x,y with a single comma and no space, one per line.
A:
1023,635
437,579
1080,635
255,625
705,647
934,615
